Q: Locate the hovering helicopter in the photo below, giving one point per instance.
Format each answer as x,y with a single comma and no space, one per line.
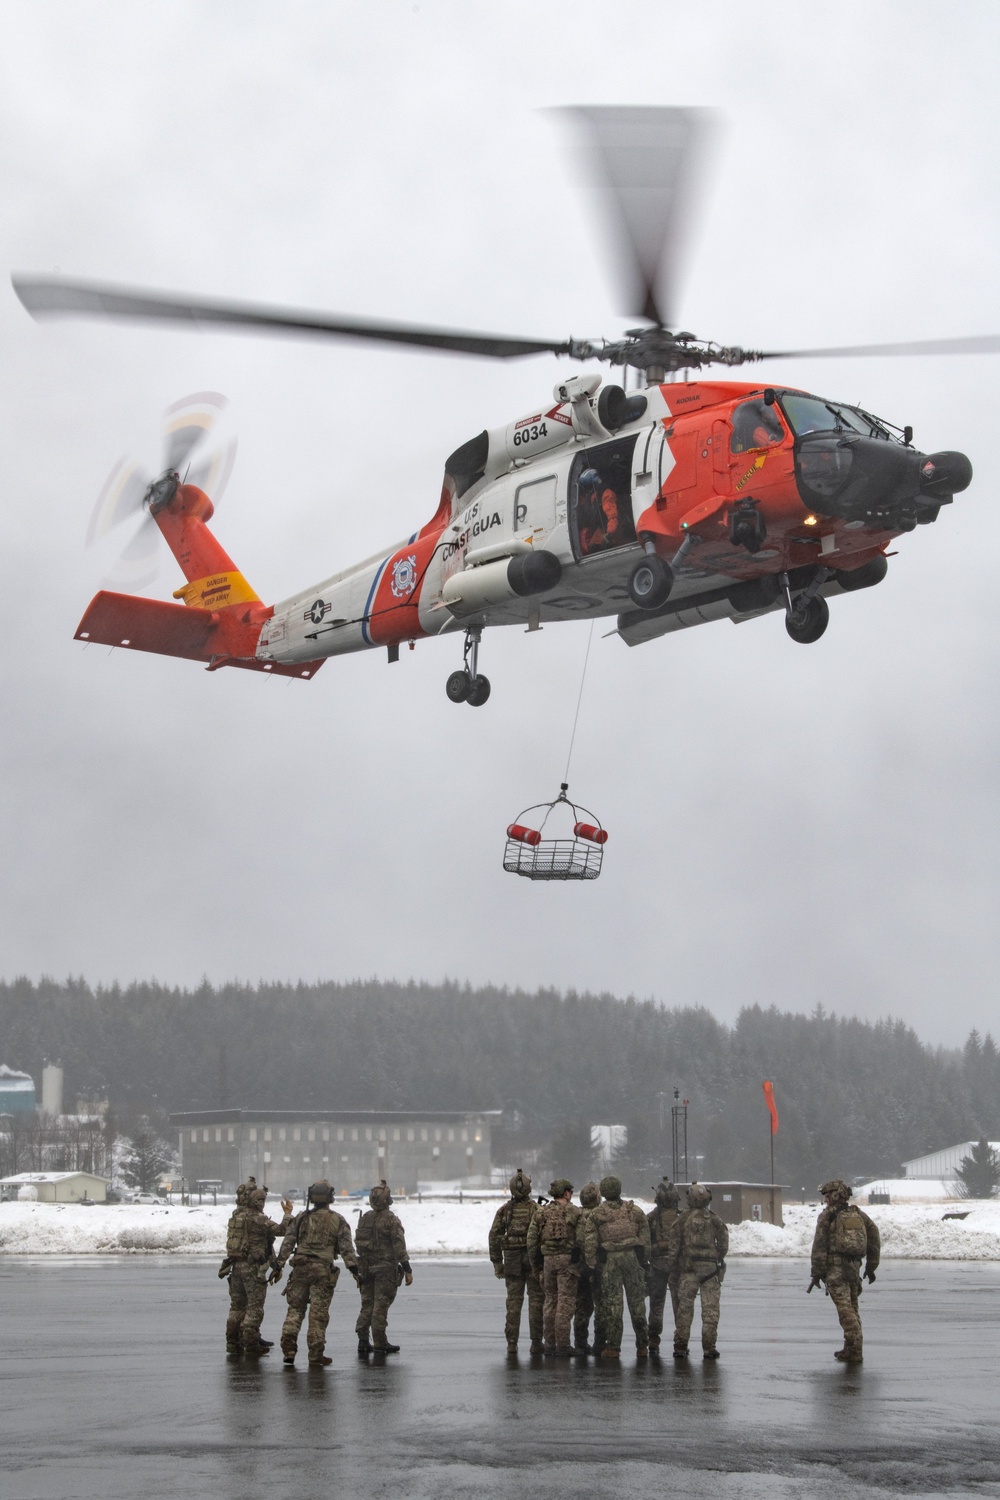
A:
668,506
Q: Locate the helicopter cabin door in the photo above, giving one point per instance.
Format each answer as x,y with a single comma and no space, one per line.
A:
535,509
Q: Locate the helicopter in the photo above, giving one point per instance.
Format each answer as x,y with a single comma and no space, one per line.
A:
683,500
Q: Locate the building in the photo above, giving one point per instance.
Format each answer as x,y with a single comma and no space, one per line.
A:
17,1092
286,1150
56,1187
736,1202
942,1166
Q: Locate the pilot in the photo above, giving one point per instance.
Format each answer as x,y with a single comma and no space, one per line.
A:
754,426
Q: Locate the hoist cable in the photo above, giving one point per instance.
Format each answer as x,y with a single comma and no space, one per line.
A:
579,700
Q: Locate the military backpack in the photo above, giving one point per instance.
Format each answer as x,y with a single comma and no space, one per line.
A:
236,1235
849,1233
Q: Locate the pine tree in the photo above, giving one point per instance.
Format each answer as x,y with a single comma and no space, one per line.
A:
979,1174
146,1156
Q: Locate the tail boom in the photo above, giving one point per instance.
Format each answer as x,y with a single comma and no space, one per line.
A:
216,637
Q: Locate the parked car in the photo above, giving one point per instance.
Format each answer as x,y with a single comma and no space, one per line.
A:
146,1198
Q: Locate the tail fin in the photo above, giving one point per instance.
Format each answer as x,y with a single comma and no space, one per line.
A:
221,617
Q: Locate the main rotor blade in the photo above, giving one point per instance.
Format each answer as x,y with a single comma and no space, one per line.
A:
52,296
985,343
649,163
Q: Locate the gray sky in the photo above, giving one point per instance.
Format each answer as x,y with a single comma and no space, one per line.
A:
788,824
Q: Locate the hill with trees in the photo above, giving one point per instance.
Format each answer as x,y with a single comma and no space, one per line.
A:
854,1097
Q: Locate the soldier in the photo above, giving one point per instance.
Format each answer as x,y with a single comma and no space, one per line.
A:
317,1236
509,1255
590,1197
382,1265
552,1250
844,1237
616,1239
661,1277
696,1254
250,1241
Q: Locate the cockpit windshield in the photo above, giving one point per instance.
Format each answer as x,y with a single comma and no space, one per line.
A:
812,414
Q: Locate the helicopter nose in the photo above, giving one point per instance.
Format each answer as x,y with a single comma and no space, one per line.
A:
945,474
874,481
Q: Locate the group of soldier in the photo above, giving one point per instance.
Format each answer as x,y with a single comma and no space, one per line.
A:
376,1257
573,1262
577,1263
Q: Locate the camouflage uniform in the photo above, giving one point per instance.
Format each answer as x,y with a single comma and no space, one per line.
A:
509,1255
250,1238
697,1246
590,1197
552,1248
382,1265
661,1278
616,1239
316,1237
844,1236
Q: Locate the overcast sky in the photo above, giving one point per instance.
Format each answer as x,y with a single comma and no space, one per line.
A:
788,824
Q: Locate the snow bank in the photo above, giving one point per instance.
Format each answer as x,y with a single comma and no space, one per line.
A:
910,1231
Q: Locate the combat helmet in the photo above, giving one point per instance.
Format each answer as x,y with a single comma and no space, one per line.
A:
590,1195
665,1195
320,1193
835,1188
699,1196
559,1186
244,1190
380,1196
611,1187
520,1185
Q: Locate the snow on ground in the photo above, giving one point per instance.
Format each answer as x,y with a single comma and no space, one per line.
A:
910,1231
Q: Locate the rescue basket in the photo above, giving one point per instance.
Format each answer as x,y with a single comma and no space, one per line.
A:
570,848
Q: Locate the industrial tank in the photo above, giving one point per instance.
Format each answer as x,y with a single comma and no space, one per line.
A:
17,1092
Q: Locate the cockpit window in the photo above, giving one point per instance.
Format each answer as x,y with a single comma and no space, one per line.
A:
811,414
755,425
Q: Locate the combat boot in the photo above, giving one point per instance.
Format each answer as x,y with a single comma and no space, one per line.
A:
364,1347
320,1359
642,1351
386,1349
232,1349
256,1351
680,1351
536,1347
850,1356
611,1354
712,1353
512,1346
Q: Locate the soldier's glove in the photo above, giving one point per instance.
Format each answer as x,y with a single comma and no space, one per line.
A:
869,1275
498,1270
355,1273
815,1282
287,1205
225,1269
274,1277
408,1278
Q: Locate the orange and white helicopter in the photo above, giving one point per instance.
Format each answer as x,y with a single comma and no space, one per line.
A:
673,505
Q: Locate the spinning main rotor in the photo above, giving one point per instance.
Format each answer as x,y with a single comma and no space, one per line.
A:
646,161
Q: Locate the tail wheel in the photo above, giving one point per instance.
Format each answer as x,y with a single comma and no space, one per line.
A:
650,582
479,691
459,687
810,624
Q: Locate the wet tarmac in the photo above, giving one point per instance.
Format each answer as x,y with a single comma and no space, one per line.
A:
114,1383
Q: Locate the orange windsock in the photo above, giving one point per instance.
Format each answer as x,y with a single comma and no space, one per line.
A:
772,1108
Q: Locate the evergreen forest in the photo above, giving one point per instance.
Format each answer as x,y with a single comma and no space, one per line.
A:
854,1097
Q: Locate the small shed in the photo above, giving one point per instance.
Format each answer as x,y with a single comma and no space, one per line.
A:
736,1202
59,1187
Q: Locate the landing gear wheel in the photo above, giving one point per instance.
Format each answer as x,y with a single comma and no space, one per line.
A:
810,624
459,687
650,582
479,692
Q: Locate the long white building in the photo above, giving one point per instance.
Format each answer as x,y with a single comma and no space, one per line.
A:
942,1165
